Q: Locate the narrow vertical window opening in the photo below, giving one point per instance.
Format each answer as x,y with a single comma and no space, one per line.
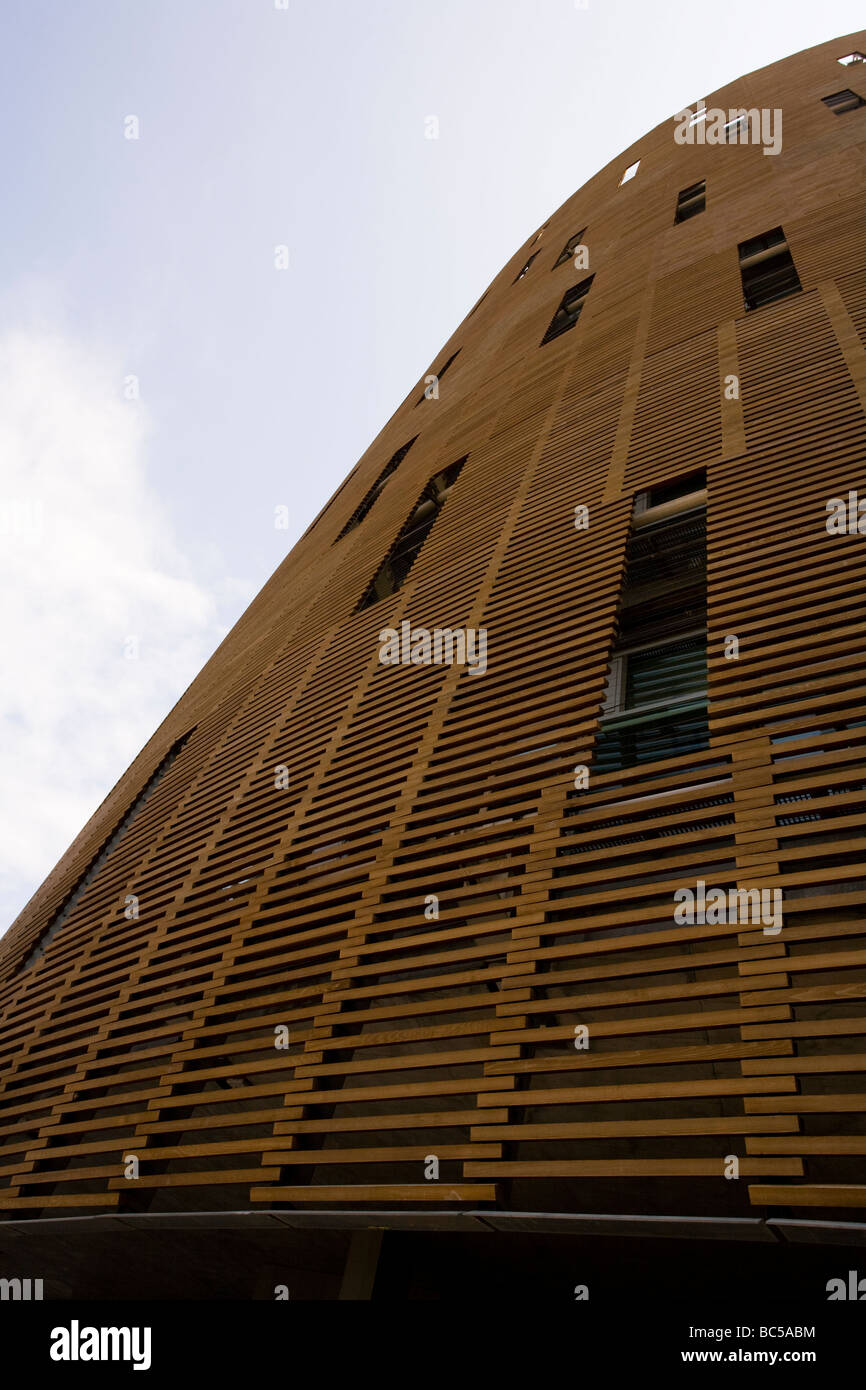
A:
364,507
691,201
767,269
569,310
392,573
655,704
63,913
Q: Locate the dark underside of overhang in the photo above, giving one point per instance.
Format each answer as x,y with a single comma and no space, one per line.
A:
453,1256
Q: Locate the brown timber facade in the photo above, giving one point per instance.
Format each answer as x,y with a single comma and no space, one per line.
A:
405,867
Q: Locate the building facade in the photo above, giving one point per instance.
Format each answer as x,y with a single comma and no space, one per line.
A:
507,857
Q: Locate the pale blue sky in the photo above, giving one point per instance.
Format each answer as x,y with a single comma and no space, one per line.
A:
258,126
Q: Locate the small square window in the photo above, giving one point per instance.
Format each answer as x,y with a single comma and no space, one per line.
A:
569,310
569,248
520,274
629,173
733,128
843,101
691,201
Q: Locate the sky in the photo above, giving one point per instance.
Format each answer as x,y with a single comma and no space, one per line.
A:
228,249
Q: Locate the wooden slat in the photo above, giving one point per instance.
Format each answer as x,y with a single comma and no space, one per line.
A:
384,1193
304,910
807,1195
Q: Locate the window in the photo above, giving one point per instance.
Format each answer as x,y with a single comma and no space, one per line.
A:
655,705
764,242
851,58
840,102
63,913
734,127
691,201
688,485
361,511
569,248
569,310
658,675
520,274
767,269
629,173
391,574
439,375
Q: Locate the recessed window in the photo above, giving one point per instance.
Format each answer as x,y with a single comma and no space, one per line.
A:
737,130
691,201
767,269
569,310
850,59
361,511
391,574
840,102
569,248
663,672
764,242
520,274
687,486
63,913
439,375
655,705
629,173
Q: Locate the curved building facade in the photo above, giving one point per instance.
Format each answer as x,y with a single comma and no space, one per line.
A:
508,855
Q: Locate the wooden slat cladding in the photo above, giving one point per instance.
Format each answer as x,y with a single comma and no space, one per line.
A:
400,871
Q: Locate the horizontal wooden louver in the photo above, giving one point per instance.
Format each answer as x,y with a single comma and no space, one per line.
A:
425,879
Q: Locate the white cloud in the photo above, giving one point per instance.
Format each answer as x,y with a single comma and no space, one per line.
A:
86,561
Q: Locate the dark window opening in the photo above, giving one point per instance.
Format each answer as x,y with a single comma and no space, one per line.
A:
111,843
569,310
392,573
520,274
670,491
840,102
438,375
767,269
655,704
390,467
762,243
691,201
569,248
